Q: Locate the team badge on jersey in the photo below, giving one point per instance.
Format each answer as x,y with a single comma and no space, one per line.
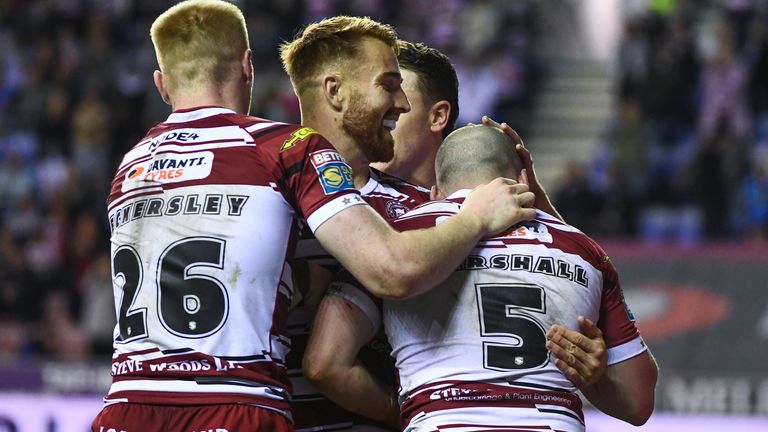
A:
334,173
298,135
396,209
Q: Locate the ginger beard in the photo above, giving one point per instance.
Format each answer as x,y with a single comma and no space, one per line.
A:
364,125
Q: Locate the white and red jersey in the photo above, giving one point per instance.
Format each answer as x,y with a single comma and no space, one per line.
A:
203,213
391,197
472,352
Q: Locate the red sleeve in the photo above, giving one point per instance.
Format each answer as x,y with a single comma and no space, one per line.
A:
312,174
616,320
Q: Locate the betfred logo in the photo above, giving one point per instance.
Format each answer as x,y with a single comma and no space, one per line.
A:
169,168
319,158
332,171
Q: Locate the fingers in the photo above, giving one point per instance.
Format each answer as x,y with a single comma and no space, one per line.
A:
524,177
500,204
589,328
572,343
512,134
570,372
568,362
583,353
490,122
526,199
506,128
525,154
510,181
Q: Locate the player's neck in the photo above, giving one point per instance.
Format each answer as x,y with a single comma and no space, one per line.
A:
224,97
344,144
422,175
351,152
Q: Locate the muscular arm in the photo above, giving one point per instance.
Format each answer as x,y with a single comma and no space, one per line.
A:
397,265
624,390
330,362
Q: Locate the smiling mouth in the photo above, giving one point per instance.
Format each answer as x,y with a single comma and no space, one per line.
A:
389,124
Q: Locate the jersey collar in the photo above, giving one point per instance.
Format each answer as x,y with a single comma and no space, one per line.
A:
461,193
186,115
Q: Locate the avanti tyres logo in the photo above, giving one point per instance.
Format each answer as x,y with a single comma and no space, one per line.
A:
169,168
135,172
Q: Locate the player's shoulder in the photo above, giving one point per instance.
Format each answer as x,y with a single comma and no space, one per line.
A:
263,128
569,235
288,140
427,214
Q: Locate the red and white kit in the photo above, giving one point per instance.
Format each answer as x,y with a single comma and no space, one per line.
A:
471,353
390,197
203,213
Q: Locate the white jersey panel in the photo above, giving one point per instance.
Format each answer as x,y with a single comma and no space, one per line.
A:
205,259
487,324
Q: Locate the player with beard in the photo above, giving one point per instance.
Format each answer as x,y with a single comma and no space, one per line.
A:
345,73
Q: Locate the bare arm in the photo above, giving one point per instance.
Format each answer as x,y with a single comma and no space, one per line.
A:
397,265
624,390
543,202
330,362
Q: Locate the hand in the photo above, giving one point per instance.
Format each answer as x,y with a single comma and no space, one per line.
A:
499,205
582,357
525,155
528,174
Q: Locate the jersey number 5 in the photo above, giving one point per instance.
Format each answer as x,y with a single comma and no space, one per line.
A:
191,304
503,313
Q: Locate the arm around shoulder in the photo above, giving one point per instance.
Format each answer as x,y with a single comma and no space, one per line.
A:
402,264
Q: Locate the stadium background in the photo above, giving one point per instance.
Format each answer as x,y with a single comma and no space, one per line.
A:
648,120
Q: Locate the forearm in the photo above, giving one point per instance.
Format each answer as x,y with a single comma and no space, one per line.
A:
356,390
392,264
626,391
330,361
427,257
398,264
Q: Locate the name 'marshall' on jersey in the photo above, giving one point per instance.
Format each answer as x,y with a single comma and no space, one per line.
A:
518,262
189,204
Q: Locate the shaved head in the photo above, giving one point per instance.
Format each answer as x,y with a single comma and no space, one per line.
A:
475,155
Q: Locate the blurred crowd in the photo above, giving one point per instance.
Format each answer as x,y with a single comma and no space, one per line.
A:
76,92
685,157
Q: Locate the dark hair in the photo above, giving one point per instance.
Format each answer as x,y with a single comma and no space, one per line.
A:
437,77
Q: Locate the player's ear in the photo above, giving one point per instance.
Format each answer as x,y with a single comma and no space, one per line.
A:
438,115
246,64
435,193
157,76
332,91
